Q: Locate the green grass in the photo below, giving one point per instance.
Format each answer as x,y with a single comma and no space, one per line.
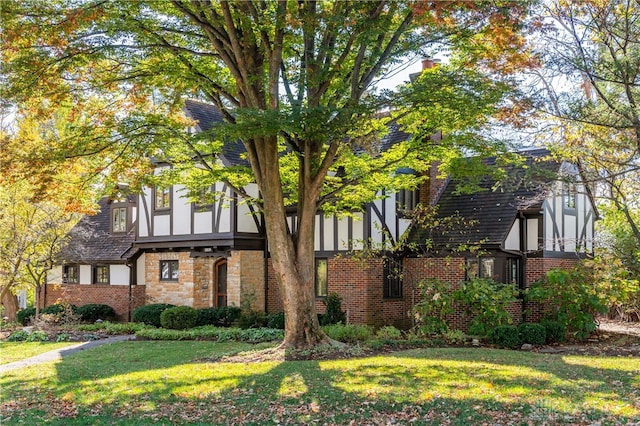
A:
150,382
15,351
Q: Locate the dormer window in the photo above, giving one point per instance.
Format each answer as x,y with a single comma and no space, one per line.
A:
119,219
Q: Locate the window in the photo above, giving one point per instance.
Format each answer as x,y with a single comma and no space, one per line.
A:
513,271
569,194
119,223
407,199
392,270
481,268
203,202
163,198
322,277
70,274
101,274
168,270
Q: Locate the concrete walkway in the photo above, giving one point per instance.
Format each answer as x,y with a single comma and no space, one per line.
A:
59,353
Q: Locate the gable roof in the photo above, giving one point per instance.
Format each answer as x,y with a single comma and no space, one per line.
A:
91,240
208,116
486,216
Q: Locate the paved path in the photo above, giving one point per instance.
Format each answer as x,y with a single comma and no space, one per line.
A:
62,352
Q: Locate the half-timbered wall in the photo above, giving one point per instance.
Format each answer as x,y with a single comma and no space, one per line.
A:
568,226
228,214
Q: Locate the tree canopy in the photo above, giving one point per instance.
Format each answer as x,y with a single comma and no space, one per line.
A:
294,82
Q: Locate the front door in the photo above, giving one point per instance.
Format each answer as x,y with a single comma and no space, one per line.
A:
220,284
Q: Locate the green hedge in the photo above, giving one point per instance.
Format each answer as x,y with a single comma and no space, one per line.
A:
223,316
150,314
179,318
25,315
350,333
92,312
505,336
252,335
534,334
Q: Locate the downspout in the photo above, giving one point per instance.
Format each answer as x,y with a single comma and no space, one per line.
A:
130,299
523,264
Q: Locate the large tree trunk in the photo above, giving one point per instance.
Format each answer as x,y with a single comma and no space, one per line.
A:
10,303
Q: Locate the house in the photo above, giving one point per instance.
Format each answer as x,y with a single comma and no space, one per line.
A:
159,247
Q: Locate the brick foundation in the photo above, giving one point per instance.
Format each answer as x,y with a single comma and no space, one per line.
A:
116,296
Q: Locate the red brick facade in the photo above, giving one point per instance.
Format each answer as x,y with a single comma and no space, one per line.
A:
122,298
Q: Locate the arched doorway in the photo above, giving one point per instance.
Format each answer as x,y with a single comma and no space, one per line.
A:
220,283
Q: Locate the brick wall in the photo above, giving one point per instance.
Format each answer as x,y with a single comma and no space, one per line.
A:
116,296
536,270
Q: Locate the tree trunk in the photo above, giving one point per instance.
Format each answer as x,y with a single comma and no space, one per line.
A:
10,303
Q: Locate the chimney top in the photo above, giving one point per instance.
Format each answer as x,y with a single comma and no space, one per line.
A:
430,63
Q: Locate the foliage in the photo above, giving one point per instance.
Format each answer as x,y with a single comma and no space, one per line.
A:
435,303
276,321
92,312
252,335
223,316
179,318
349,333
571,298
333,310
252,319
26,336
455,337
555,331
485,303
388,332
58,314
150,314
113,328
294,82
532,333
505,336
25,315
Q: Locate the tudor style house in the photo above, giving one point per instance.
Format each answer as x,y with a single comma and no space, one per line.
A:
158,247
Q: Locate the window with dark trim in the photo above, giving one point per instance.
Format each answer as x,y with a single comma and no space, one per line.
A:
392,270
162,198
101,274
407,199
569,195
119,219
484,267
322,278
513,271
168,270
204,200
70,274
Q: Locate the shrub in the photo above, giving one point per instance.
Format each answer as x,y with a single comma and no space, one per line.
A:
18,336
60,314
555,331
485,302
534,334
113,328
573,297
150,314
505,336
222,316
436,301
351,333
179,318
253,335
252,319
454,337
94,311
276,321
388,333
25,315
333,313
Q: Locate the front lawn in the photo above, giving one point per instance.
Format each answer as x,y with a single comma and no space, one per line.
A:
151,382
15,351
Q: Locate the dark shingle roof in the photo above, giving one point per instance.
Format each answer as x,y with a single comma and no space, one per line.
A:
208,116
487,215
91,240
